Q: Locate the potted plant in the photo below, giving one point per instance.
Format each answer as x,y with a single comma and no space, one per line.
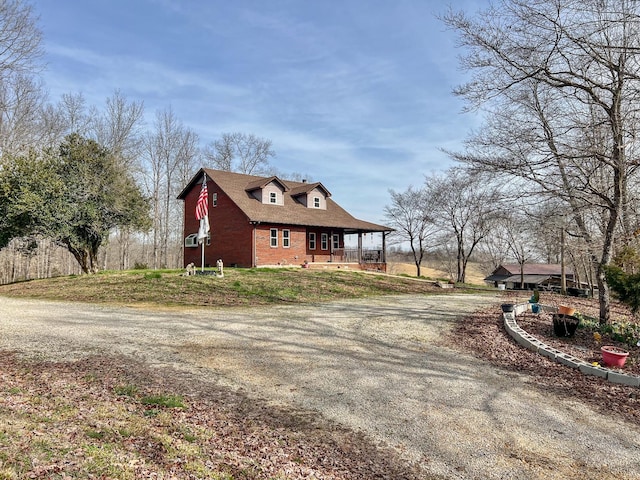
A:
613,356
565,310
564,325
507,307
535,298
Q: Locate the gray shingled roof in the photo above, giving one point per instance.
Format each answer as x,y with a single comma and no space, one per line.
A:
537,269
235,185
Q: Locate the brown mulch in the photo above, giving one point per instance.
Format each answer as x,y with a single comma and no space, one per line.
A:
483,334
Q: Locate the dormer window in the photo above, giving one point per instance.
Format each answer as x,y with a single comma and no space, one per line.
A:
316,202
273,197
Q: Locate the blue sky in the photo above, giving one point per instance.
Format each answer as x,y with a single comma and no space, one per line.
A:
353,93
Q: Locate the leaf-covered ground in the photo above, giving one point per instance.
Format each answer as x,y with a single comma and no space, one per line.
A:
105,418
484,335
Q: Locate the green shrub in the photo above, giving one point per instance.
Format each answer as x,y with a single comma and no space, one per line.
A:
626,286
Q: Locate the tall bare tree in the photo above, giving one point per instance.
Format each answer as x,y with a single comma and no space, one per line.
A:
465,204
560,80
21,100
240,152
170,151
21,94
20,39
410,215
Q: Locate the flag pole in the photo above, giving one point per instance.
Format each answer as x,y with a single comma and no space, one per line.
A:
202,214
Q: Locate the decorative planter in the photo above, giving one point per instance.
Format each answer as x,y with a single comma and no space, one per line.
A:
613,356
507,307
564,325
564,310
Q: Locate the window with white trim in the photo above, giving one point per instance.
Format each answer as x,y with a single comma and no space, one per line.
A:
336,241
286,238
274,237
324,241
214,198
273,197
316,202
312,240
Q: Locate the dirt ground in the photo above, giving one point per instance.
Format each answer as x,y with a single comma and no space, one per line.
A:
375,365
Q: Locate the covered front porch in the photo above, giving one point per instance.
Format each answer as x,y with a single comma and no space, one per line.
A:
362,250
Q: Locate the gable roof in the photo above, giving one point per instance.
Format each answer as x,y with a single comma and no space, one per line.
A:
305,188
237,187
263,182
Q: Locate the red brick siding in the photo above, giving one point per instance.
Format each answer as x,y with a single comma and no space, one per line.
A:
267,255
231,233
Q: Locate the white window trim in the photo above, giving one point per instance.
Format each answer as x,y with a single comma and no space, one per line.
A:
335,241
286,238
273,237
316,202
312,241
214,198
324,241
273,197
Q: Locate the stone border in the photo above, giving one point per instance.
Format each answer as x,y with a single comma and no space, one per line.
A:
532,343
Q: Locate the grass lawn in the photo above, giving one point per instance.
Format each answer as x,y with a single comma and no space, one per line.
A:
238,287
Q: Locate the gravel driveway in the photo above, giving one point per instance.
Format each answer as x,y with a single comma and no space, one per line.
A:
374,365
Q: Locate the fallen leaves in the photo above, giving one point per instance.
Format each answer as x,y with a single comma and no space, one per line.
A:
71,420
483,334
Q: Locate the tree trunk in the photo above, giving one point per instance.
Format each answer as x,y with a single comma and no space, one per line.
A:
604,299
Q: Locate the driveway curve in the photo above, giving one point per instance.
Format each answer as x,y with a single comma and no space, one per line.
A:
375,365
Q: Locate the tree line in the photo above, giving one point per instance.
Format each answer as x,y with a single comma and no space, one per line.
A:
95,180
558,83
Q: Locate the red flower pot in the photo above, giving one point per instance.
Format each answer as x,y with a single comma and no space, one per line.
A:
613,356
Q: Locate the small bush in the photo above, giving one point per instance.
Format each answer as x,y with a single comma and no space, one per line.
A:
152,275
140,266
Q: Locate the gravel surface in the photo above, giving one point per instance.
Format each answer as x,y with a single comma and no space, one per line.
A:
376,365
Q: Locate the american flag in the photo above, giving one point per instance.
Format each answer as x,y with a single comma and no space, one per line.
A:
202,207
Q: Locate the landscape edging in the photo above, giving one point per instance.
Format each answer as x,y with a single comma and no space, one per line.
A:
534,344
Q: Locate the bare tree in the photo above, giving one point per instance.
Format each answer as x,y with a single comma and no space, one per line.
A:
170,151
21,100
20,39
20,92
561,80
119,127
465,204
240,152
409,214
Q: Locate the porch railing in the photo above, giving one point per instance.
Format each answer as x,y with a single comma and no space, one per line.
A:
350,255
